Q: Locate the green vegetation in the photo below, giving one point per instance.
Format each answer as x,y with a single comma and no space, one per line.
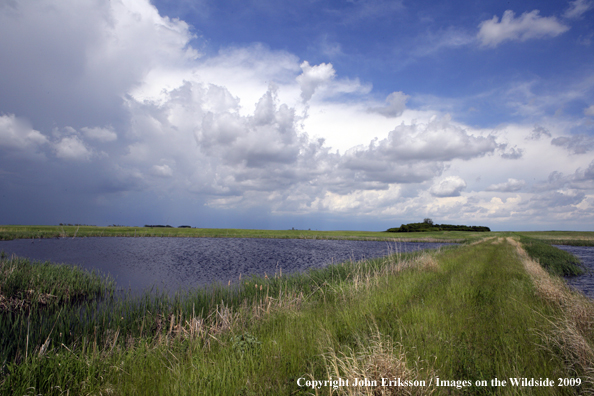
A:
468,313
574,238
9,232
428,226
555,261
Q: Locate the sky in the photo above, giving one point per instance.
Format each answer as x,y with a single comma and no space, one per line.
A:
312,114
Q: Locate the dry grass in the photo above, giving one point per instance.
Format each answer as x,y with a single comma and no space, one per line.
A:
379,359
572,336
12,304
365,281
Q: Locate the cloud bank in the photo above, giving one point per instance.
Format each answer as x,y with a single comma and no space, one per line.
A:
113,112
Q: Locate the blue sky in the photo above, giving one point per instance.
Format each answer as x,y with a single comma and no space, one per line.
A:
308,114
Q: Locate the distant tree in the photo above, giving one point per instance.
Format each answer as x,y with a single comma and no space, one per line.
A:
428,221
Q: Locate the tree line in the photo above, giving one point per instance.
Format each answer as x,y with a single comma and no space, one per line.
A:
427,225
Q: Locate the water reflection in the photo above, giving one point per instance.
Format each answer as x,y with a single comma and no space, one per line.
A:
174,263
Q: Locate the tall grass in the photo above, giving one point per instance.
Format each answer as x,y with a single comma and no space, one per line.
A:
554,260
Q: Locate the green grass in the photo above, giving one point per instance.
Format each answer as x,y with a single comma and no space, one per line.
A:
9,232
575,238
466,313
554,260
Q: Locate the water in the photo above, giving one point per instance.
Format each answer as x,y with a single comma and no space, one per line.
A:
585,282
180,263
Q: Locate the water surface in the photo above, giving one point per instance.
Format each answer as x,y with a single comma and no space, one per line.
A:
585,282
173,263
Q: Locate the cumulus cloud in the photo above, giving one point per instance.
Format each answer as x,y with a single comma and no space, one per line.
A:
72,148
451,186
577,8
512,153
313,77
437,140
395,105
71,62
578,144
18,134
134,109
162,170
511,185
530,25
538,132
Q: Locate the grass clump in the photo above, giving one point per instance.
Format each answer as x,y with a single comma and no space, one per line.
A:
554,260
25,284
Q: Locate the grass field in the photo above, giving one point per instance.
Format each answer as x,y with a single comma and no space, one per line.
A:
466,315
17,232
8,232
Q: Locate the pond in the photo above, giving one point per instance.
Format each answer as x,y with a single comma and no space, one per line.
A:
179,263
585,282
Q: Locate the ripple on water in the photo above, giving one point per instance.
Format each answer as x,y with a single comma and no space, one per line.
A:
585,282
174,263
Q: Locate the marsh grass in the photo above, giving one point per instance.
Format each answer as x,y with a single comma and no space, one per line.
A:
554,260
464,313
572,332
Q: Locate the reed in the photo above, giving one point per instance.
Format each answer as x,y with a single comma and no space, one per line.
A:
554,260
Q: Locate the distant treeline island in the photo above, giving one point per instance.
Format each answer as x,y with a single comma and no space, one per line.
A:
427,226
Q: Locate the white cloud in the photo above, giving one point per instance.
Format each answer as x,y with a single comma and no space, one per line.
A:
451,186
72,148
577,8
528,26
314,77
511,185
589,111
162,170
100,134
17,134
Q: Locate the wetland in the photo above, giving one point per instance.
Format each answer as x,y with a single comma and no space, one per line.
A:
140,263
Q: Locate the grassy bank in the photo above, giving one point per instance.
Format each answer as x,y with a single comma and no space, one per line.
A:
555,261
471,313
